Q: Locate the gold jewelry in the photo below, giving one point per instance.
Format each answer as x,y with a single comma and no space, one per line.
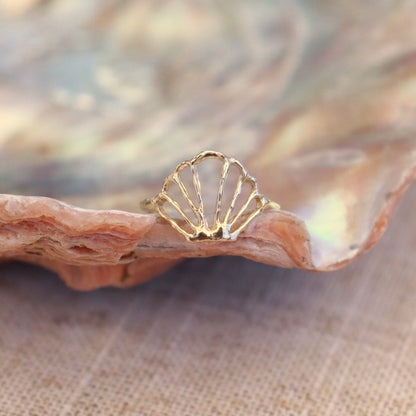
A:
216,207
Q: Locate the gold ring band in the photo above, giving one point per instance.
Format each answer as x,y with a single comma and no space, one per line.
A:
208,209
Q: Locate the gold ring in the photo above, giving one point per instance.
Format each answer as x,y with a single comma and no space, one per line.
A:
209,198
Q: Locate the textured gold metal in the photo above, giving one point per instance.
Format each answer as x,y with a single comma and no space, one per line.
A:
224,227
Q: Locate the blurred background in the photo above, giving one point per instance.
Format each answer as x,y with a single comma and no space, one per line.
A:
100,99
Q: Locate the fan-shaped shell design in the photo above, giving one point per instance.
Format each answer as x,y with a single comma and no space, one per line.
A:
211,197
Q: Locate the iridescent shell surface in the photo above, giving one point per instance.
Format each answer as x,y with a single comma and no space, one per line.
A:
100,100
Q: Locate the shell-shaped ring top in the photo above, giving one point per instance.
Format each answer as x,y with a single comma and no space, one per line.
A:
211,197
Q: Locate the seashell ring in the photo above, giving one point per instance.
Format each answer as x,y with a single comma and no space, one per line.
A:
209,198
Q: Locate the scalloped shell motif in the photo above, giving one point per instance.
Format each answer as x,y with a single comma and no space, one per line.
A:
211,197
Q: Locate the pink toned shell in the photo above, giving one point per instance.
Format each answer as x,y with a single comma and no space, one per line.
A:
99,103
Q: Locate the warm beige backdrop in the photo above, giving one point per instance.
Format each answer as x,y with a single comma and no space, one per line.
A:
218,336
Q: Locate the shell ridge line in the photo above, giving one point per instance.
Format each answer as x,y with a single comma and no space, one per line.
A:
237,192
197,186
178,208
175,225
187,197
224,176
253,195
249,218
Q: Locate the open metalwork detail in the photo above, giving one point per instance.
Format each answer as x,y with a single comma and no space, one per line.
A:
213,208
